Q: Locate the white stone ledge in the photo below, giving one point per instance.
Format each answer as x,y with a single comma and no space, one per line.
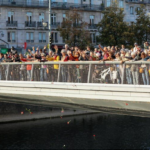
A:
70,86
85,96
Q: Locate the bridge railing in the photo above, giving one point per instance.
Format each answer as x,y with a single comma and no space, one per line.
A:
114,72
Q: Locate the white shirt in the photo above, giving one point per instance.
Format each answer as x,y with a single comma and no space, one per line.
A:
135,49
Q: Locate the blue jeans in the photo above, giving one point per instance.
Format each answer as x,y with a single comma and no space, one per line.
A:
0,74
135,75
63,74
119,76
145,76
29,75
43,74
128,76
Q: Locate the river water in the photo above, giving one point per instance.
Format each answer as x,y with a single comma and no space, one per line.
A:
96,131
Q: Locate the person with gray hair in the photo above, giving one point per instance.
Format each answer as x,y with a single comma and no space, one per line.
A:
66,47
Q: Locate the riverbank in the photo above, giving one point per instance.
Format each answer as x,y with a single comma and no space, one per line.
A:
39,116
16,112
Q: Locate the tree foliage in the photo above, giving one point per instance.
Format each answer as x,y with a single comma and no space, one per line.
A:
74,31
142,25
113,30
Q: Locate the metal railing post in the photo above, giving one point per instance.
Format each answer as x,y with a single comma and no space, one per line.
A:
7,72
32,72
89,73
58,73
123,73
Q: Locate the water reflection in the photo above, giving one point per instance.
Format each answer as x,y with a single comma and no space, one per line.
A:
111,132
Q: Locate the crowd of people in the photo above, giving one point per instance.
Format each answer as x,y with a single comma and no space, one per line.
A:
76,54
78,73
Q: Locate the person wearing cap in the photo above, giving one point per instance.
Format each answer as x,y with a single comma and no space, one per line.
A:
135,47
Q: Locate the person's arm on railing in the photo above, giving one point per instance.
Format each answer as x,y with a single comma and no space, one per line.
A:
145,59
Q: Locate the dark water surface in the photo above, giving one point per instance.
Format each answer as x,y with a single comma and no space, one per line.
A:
111,131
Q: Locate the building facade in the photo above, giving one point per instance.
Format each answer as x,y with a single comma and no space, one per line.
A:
22,20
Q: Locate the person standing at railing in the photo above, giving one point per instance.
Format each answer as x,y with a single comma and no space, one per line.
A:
123,47
135,48
5,67
134,69
15,73
144,71
28,68
40,52
33,51
45,51
13,50
119,68
50,68
56,67
146,45
37,55
1,57
57,52
1,60
64,70
17,58
43,69
91,56
28,53
66,47
148,57
83,68
105,53
127,67
22,68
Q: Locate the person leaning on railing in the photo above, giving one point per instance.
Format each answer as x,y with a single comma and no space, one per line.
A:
43,69
144,70
148,57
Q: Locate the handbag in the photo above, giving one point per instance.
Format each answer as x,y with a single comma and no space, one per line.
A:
149,72
141,70
112,69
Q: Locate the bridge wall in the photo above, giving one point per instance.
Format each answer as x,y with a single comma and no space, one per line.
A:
132,97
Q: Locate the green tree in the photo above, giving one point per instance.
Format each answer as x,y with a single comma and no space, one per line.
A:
142,25
74,31
112,28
